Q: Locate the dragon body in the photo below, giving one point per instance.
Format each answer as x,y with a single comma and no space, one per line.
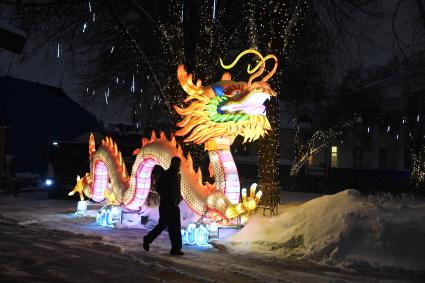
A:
214,116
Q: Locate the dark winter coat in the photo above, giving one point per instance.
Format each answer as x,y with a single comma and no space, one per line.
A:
168,188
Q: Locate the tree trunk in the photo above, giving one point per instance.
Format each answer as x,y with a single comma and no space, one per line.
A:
268,158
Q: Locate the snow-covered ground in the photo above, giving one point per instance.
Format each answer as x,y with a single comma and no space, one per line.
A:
313,239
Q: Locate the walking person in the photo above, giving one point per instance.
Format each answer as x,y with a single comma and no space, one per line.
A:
168,188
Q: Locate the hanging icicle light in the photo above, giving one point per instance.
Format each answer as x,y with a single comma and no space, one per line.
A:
396,137
106,98
214,6
94,17
388,129
89,6
117,80
59,47
112,49
84,27
133,85
417,118
368,130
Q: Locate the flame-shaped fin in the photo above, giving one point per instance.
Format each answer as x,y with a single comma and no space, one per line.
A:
162,136
199,175
136,151
124,172
211,170
120,159
115,149
153,136
92,145
180,151
190,161
144,141
173,140
209,187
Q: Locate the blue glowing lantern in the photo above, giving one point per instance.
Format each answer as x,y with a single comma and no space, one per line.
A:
107,215
201,236
195,235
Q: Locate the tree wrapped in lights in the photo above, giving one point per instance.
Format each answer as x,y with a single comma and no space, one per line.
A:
272,27
418,166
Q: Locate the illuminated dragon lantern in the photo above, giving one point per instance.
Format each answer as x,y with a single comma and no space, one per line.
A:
216,115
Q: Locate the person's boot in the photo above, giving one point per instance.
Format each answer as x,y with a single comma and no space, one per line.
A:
176,252
145,244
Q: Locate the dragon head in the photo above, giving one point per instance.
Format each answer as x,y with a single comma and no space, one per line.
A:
226,108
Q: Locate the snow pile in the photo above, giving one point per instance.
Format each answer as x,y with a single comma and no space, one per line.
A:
345,230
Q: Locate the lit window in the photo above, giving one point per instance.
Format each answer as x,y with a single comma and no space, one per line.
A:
334,156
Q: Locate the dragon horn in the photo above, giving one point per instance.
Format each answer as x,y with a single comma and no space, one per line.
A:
273,71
